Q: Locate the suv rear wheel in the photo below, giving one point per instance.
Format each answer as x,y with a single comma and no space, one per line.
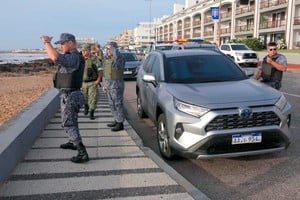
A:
163,138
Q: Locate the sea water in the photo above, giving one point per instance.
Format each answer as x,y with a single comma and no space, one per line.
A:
17,58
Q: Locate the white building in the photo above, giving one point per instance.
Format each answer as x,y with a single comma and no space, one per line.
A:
268,20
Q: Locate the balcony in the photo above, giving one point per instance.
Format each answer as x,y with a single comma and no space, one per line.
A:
208,33
225,15
243,10
272,24
270,3
244,28
297,20
197,23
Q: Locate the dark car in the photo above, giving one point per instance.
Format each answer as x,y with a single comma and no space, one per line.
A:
132,62
204,105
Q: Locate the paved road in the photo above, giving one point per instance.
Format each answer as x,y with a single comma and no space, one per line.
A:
273,176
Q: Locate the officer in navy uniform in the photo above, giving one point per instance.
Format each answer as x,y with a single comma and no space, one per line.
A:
68,79
114,85
272,68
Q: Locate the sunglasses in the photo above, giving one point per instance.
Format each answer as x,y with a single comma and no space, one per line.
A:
273,49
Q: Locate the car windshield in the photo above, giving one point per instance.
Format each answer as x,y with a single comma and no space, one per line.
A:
130,57
239,47
201,69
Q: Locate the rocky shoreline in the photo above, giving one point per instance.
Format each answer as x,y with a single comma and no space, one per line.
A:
27,68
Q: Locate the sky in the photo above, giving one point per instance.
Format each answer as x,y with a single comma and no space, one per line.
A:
22,22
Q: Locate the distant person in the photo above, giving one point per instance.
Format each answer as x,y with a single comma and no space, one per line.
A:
272,67
97,51
92,77
114,86
68,79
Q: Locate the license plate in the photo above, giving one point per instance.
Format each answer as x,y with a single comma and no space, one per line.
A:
246,138
127,72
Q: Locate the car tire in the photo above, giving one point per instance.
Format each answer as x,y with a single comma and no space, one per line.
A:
163,138
140,111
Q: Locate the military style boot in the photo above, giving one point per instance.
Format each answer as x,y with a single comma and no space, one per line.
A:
92,117
82,155
118,127
86,109
112,124
68,145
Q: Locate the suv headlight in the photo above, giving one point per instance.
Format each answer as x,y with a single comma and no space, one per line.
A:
281,103
195,111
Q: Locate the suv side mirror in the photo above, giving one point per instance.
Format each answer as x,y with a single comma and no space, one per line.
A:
150,78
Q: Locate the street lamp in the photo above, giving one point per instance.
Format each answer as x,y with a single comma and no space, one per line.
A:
150,1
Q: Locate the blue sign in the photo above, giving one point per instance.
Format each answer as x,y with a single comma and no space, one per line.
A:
215,13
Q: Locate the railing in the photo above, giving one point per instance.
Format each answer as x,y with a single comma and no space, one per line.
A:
196,35
225,30
225,14
272,24
196,23
270,3
207,19
208,33
297,20
187,25
244,28
244,10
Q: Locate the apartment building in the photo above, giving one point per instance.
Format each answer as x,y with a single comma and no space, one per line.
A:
268,20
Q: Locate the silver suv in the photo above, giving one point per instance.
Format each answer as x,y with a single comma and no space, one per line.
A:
241,54
205,106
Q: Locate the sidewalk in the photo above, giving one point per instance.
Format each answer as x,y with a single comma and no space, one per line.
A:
120,167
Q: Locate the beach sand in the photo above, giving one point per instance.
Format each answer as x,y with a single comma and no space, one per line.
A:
16,93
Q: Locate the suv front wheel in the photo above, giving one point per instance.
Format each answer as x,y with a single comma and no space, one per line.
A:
163,138
140,111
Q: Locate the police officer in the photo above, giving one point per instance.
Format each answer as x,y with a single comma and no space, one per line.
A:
114,86
272,68
92,76
68,79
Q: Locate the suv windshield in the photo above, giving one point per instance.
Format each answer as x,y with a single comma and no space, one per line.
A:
201,69
239,47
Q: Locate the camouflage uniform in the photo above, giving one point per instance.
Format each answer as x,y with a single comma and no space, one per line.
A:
89,88
71,98
115,83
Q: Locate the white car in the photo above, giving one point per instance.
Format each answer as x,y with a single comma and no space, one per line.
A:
241,54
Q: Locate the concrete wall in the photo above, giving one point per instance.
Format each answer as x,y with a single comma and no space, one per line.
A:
18,134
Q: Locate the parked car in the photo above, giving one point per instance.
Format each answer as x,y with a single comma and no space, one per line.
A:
158,46
132,62
205,106
192,45
241,54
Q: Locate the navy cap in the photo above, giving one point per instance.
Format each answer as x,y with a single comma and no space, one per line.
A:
65,37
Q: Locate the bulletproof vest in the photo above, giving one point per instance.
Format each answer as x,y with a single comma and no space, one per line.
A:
270,73
112,73
70,80
90,70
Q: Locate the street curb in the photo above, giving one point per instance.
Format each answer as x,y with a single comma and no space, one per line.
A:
18,134
191,189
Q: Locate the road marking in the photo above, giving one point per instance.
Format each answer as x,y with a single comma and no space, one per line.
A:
294,95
